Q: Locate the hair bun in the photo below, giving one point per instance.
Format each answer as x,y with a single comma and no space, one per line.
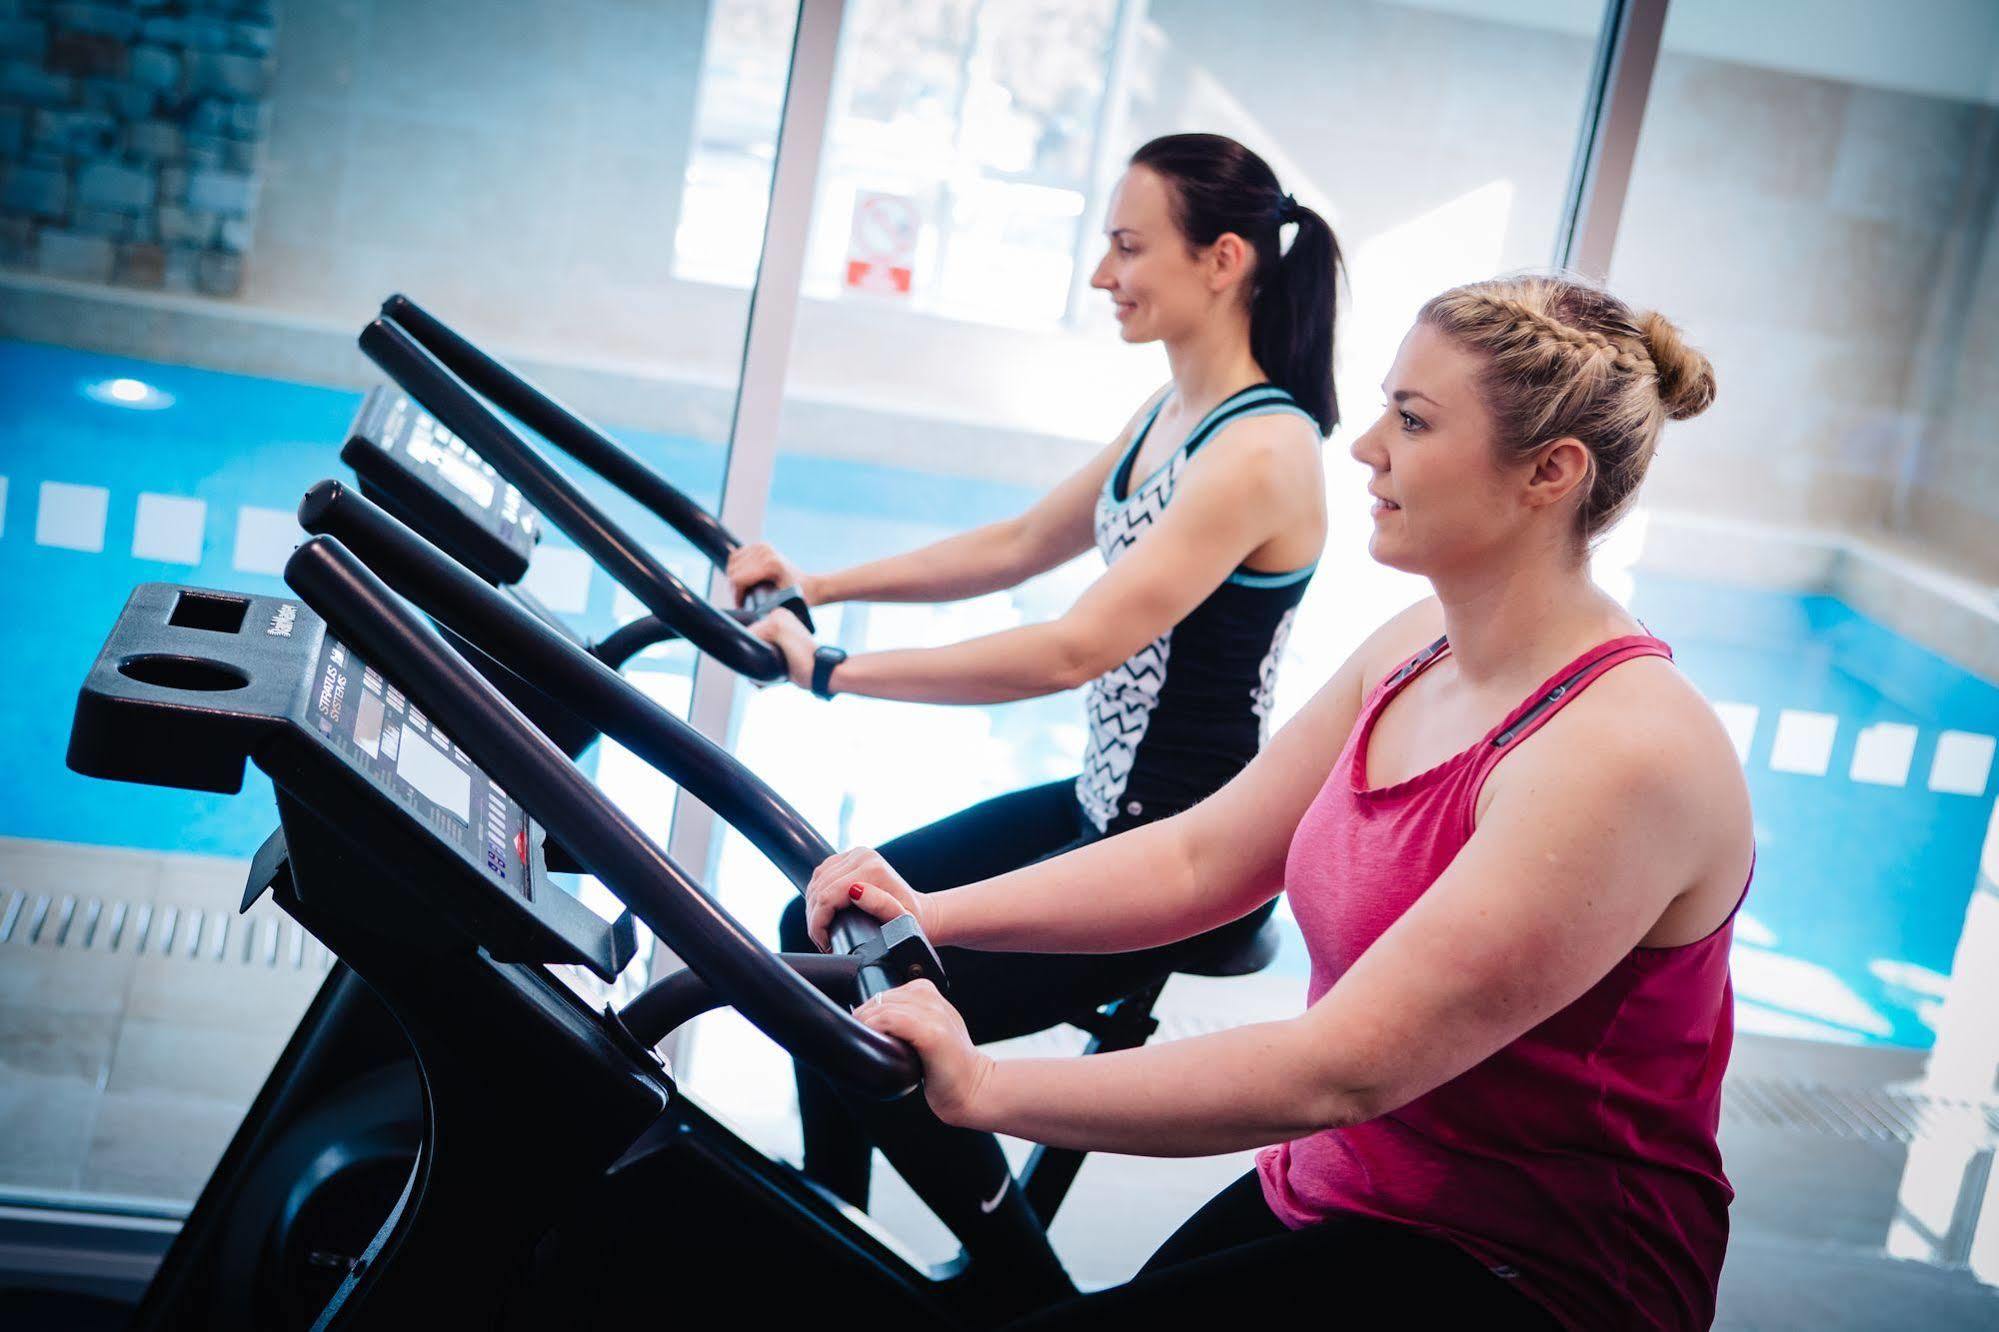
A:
1686,380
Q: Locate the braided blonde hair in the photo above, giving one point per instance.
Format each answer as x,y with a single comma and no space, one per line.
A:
1567,360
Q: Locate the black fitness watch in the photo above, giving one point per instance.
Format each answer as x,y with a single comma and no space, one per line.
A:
823,662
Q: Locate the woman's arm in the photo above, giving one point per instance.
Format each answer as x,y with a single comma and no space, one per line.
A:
1236,494
986,559
1164,881
1571,866
1057,528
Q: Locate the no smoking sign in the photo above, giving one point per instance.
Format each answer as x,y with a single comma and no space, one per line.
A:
881,249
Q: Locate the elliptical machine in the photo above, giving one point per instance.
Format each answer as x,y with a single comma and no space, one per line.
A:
441,370
421,815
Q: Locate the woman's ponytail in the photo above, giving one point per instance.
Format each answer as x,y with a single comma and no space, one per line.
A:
1292,314
1220,186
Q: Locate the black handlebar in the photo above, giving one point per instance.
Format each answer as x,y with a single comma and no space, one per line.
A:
361,610
562,427
596,693
463,603
458,409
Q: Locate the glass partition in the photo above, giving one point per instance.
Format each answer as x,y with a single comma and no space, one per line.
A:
162,417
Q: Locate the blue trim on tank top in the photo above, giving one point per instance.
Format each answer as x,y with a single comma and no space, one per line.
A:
1137,441
1257,396
1251,578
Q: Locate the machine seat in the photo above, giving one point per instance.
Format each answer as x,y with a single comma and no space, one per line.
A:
1231,955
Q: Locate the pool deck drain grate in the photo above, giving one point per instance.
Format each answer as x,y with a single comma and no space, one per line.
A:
68,922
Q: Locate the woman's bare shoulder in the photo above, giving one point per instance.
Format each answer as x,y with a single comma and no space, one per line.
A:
1400,637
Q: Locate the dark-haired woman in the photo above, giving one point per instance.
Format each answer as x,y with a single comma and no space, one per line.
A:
1209,509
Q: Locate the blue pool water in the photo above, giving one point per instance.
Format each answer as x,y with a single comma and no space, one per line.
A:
1860,889
237,442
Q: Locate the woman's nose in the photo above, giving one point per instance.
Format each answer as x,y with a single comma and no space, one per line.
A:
1367,449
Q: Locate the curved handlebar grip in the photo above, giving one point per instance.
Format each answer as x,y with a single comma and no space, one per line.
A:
363,612
565,506
504,631
681,996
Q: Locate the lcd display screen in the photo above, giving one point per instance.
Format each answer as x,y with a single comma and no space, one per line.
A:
434,776
474,484
368,724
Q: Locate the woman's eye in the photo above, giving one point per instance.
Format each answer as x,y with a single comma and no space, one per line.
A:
1409,422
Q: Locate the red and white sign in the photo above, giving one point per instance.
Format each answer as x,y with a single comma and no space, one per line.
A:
881,251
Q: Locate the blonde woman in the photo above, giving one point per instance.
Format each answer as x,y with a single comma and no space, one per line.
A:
1514,837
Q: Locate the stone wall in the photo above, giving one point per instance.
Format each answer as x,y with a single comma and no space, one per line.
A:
130,138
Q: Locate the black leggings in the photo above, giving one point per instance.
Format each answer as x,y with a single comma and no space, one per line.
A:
1001,995
1347,1271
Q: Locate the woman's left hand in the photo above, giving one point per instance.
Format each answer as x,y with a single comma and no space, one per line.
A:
782,630
955,1073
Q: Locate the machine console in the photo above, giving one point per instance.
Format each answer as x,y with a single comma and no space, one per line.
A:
384,737
412,466
191,683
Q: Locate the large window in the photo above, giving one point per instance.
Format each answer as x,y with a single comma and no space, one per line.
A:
912,415
1813,201
1854,181
981,117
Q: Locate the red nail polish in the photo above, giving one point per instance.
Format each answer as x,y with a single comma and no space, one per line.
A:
854,891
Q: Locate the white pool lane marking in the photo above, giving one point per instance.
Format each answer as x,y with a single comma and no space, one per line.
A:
1962,764
559,578
172,528
1882,754
1739,719
264,539
1804,742
169,528
71,517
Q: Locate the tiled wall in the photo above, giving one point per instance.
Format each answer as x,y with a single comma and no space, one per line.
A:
1953,495
1812,237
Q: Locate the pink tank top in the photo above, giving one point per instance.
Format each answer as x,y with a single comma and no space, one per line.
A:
1580,1160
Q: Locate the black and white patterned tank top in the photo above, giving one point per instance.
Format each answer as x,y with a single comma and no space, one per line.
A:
1186,712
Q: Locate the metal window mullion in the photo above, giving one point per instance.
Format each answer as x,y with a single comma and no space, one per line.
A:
1106,152
767,337
1627,57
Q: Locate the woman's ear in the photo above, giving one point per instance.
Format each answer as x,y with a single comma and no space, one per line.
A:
1228,259
1560,468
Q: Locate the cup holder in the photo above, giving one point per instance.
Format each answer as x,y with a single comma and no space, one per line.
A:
190,673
